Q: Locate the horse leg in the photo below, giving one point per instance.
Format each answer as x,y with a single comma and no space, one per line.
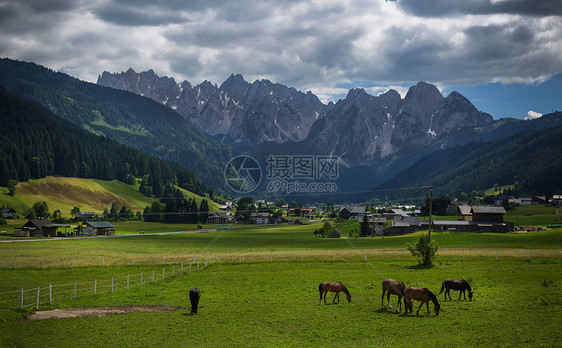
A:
460,293
382,298
325,293
448,292
421,304
336,295
427,303
388,300
399,303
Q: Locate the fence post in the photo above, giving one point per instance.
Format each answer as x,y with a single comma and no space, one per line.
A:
141,279
95,286
50,294
197,264
302,256
127,282
153,276
21,306
38,293
205,262
75,288
173,269
333,256
365,256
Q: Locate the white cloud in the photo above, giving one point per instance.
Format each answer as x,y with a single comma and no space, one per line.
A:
532,115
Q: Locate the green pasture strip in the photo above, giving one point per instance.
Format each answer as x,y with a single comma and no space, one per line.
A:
266,239
516,303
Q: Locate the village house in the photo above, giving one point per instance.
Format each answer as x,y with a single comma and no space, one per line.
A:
463,211
480,218
218,218
352,213
260,218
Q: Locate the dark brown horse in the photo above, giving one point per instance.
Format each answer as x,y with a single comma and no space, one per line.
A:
461,285
419,294
194,296
336,287
392,287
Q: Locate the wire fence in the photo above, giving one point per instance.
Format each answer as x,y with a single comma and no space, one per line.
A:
36,297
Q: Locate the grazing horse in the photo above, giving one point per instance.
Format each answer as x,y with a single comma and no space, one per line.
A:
194,296
392,287
461,285
336,287
419,294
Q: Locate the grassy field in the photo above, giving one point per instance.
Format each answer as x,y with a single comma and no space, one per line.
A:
261,289
88,194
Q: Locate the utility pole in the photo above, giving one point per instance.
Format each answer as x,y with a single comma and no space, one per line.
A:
430,207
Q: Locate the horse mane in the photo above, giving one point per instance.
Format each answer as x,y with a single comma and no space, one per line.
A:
432,297
467,285
344,289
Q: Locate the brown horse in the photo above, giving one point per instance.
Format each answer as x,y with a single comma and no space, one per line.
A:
392,287
461,285
336,287
419,294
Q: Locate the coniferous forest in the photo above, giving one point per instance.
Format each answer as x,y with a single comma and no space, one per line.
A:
35,143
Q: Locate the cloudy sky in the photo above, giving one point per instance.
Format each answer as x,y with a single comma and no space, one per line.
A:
504,55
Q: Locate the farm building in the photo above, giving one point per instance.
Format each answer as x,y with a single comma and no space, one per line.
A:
39,228
98,228
464,213
7,213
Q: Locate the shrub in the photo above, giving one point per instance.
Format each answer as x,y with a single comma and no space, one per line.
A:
425,249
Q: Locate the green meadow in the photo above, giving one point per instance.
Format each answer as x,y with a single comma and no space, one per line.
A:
260,288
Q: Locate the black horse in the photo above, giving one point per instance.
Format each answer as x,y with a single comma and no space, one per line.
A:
194,296
461,285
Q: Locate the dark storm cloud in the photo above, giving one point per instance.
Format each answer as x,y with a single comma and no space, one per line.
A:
441,8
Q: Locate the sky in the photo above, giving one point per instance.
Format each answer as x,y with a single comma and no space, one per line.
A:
503,55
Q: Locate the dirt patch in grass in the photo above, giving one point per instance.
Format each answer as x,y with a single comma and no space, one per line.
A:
97,311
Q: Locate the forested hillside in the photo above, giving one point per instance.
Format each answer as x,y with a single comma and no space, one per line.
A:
133,120
531,161
35,144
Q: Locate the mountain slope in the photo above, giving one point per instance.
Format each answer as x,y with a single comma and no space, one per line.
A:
531,158
128,118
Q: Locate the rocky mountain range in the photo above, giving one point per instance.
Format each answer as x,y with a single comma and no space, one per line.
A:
361,128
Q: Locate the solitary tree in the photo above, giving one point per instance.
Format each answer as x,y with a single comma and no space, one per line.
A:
12,184
425,249
365,227
74,212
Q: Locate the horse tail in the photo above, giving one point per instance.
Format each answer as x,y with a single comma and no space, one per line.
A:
320,289
442,287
